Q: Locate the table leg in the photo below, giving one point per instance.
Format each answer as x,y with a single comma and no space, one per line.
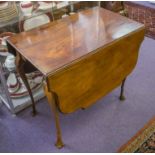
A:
20,71
53,101
122,97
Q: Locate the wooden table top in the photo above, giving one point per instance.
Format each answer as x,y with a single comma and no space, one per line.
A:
55,45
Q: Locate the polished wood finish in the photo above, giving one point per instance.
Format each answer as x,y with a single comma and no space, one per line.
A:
83,82
59,43
83,57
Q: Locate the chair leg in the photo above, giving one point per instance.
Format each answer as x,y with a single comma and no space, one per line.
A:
122,97
53,101
20,71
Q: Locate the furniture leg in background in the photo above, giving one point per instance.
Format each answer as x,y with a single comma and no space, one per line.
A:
20,71
122,97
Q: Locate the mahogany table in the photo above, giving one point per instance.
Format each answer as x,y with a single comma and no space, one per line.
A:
83,57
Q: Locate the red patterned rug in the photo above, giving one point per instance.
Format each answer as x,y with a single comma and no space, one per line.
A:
143,141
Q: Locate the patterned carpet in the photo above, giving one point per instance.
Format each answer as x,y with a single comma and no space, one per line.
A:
143,141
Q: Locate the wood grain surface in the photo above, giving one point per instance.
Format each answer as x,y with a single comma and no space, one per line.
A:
84,82
55,45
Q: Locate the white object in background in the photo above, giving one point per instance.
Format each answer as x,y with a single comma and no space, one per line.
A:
3,45
3,48
26,7
3,42
35,82
46,5
10,62
62,4
71,13
12,83
3,5
38,20
65,15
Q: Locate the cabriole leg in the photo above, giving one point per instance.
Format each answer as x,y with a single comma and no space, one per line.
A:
20,71
53,101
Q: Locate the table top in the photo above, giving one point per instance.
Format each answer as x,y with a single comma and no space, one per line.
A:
58,44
